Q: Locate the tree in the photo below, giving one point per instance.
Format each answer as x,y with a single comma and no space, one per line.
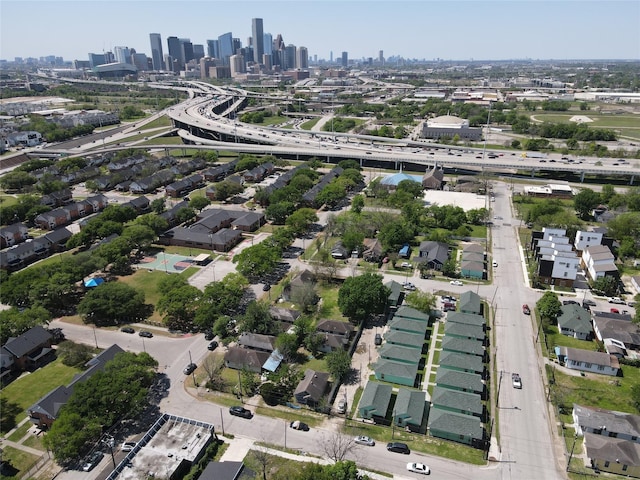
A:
279,212
111,303
337,446
158,205
213,366
549,306
179,307
287,344
352,239
362,296
301,220
585,201
449,268
395,234
199,202
357,204
607,285
257,319
305,296
338,364
422,301
257,260
74,354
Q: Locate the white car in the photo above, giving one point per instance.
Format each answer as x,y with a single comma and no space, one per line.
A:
457,283
363,440
418,468
128,446
495,264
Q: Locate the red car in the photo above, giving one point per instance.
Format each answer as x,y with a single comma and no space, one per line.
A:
615,310
526,310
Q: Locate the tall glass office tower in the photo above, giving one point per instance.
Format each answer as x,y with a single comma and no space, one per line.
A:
156,51
257,34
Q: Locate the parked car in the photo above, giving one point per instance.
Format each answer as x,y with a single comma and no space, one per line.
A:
409,286
364,440
238,411
92,461
570,302
189,369
208,335
298,425
495,264
128,446
526,310
377,339
516,381
589,303
145,334
405,265
631,303
457,283
398,447
127,330
617,300
449,307
342,406
418,468
614,310
213,345
266,287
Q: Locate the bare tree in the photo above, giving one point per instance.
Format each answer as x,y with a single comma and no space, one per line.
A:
261,457
212,366
337,446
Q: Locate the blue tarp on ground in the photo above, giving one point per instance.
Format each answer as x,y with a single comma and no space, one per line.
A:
93,282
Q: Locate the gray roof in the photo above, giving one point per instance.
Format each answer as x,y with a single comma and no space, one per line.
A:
576,318
51,403
470,302
589,356
615,422
463,345
462,380
622,330
226,471
461,361
463,401
613,450
410,405
97,363
407,371
335,327
284,314
411,314
257,341
464,330
473,247
396,291
431,250
466,318
404,338
376,395
31,339
313,384
404,324
455,423
395,352
246,357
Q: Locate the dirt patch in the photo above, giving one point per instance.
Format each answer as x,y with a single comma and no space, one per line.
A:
580,119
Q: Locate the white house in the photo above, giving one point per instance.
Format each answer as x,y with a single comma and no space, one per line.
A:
547,232
587,239
606,422
588,361
565,265
599,261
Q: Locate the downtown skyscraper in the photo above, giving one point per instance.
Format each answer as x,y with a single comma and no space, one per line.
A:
156,51
257,36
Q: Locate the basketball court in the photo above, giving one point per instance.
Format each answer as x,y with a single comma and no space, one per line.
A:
166,262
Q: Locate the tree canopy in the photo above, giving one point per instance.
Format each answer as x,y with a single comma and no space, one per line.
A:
111,303
362,296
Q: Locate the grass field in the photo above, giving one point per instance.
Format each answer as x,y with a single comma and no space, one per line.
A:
625,125
26,390
18,459
308,125
158,122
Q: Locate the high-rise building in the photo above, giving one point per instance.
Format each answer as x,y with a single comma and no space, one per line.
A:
267,43
237,46
225,46
123,54
380,56
140,61
331,56
187,50
175,51
213,49
237,65
156,50
302,57
345,59
198,51
205,65
96,59
257,34
289,57
266,61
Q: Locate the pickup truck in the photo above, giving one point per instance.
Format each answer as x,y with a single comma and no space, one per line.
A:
516,381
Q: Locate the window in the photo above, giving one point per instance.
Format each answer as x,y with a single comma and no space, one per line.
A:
587,365
624,468
600,367
606,464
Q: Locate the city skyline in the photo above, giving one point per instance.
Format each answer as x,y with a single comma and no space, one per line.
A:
453,30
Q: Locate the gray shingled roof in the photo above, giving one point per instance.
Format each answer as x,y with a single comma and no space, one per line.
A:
411,314
576,318
470,302
376,395
410,405
455,423
403,338
403,354
404,324
461,361
463,401
462,380
407,371
28,341
467,318
464,330
463,345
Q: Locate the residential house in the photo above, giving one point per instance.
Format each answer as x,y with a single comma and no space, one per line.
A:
311,388
57,199
401,373
433,179
310,196
470,302
299,282
468,256
458,402
286,316
462,362
466,429
256,341
463,345
227,471
410,326
333,343
409,409
13,234
616,327
461,381
248,221
222,241
475,270
433,254
374,401
588,360
607,423
373,251
239,358
400,354
396,295
335,327
575,321
338,251
139,204
404,339
54,218
467,319
612,455
598,261
6,366
469,332
585,239
30,350
412,314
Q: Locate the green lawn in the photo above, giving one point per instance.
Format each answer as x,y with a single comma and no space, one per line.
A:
329,307
555,338
147,282
20,432
18,459
308,125
29,388
158,122
268,121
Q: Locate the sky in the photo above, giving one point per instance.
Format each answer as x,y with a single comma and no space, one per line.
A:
421,29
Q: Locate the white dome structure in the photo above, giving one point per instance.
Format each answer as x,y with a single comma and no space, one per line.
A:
448,121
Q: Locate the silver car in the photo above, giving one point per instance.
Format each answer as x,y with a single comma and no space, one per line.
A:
364,440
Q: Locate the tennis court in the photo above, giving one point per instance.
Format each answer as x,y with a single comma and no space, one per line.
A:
166,262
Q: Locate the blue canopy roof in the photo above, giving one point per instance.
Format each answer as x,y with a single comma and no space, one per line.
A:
93,282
